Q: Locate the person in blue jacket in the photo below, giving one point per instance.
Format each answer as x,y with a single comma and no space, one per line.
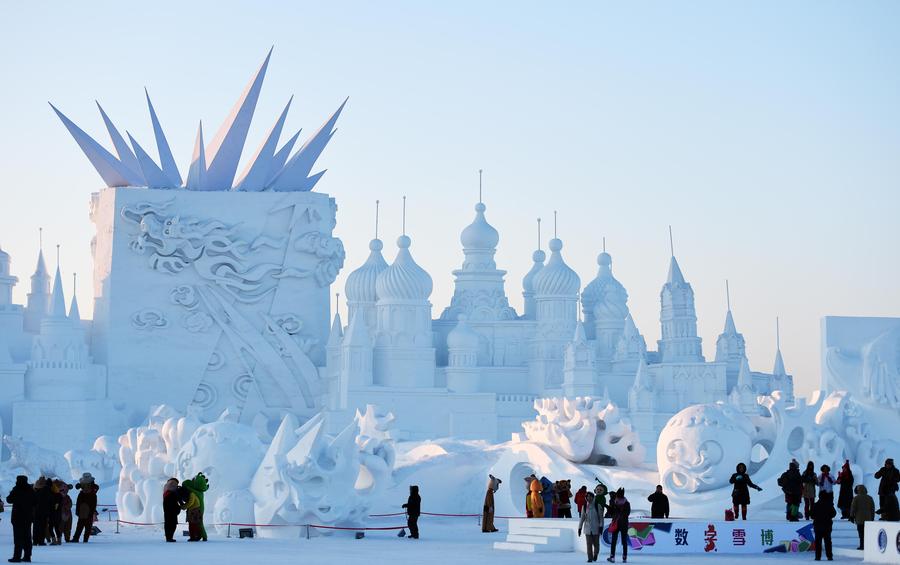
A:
547,495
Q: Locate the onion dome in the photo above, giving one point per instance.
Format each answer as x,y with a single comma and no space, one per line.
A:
463,337
528,282
479,234
360,286
556,278
403,279
604,287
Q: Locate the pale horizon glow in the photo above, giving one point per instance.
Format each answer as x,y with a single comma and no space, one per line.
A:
766,134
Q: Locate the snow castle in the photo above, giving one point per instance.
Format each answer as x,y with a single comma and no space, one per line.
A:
215,288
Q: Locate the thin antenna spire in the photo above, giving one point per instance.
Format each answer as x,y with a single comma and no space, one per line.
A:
377,202
41,239
554,224
57,255
671,241
479,184
539,234
777,334
604,244
404,215
727,296
337,302
74,283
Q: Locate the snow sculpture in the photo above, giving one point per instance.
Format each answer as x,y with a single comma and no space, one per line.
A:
585,430
307,476
29,459
226,452
699,447
102,461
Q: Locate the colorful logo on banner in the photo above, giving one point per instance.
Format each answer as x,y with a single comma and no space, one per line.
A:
803,541
640,534
882,541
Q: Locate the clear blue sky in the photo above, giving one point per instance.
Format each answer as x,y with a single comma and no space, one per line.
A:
766,133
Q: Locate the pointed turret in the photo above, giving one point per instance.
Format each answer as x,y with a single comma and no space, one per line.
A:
38,304
730,346
57,298
642,396
631,345
336,335
778,370
7,281
678,319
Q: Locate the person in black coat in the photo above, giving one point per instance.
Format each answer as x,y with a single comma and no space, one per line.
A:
413,509
822,514
621,510
791,484
43,502
887,490
172,505
740,494
22,499
659,503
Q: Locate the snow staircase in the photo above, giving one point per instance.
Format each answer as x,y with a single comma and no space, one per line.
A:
540,535
845,540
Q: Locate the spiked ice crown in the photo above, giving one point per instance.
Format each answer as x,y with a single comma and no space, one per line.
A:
212,167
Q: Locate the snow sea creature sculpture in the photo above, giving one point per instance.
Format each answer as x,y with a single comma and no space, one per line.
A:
29,459
585,430
875,364
699,447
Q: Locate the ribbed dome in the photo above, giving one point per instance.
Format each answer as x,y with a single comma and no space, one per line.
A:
479,234
404,279
528,282
463,336
556,278
360,286
604,282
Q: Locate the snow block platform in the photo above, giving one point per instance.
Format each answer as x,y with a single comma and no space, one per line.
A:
540,535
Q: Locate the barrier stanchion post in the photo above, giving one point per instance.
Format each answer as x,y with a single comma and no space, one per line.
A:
307,531
229,530
117,525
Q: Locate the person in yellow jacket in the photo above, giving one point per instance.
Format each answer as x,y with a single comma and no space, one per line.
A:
534,503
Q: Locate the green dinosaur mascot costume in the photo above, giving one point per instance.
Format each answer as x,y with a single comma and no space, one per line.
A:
195,506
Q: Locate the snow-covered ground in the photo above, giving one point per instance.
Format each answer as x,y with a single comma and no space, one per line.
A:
444,540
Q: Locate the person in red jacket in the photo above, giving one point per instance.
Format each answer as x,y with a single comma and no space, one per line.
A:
581,499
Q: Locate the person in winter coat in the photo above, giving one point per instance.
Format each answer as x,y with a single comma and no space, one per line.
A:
65,512
659,504
487,520
55,516
792,486
547,494
600,495
845,496
621,509
413,509
823,514
534,503
810,481
85,506
172,505
42,504
887,490
564,492
581,499
591,523
22,499
826,483
740,494
862,510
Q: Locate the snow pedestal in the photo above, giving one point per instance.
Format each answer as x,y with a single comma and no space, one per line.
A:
882,542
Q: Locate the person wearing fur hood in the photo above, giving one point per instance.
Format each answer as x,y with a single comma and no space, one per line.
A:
487,519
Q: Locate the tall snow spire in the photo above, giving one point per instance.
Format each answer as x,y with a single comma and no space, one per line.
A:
528,282
57,298
778,370
729,320
678,318
39,298
74,314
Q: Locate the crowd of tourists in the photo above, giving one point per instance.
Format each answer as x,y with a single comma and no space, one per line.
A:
42,513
